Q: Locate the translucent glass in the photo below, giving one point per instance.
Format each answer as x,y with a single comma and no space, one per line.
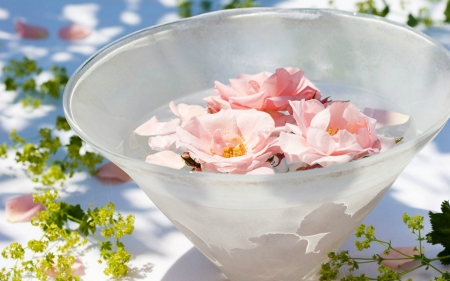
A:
277,227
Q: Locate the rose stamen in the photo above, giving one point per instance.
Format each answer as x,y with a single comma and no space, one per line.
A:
332,131
238,150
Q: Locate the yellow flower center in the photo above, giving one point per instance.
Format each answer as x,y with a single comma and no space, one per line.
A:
238,150
332,131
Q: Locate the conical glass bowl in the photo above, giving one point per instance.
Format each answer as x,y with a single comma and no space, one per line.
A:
263,227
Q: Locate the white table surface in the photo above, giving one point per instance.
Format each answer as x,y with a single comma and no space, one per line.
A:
160,251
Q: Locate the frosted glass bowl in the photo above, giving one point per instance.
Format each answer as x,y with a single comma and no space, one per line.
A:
263,227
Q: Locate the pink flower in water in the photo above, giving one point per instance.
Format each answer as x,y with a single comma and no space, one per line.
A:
22,208
230,141
110,173
263,91
74,32
398,260
27,31
330,134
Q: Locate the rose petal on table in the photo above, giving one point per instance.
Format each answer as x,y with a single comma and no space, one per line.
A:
74,32
27,31
77,269
22,208
386,118
110,173
400,265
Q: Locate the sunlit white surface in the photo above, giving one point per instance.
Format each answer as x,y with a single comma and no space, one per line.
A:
159,251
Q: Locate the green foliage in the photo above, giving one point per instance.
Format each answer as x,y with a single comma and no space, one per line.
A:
369,7
19,75
440,235
41,161
440,223
48,161
235,4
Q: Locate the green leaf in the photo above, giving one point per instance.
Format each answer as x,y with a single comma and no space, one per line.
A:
76,212
10,84
447,12
440,234
412,21
61,124
185,9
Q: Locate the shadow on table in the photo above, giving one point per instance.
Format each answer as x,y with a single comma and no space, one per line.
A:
193,266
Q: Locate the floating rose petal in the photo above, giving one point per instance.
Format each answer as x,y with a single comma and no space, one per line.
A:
110,173
185,111
166,158
155,128
386,118
22,209
161,143
74,32
400,265
77,269
27,31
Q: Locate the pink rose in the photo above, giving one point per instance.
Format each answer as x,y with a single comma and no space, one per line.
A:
263,91
230,141
330,134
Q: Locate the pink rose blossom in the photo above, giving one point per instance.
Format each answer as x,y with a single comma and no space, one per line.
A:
230,141
110,173
263,91
400,262
28,31
74,32
22,208
330,134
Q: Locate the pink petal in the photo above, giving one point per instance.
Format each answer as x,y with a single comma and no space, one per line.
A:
161,143
22,209
400,265
266,169
110,173
74,32
27,31
155,128
185,111
166,158
386,118
77,268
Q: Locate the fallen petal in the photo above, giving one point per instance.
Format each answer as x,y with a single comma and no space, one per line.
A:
74,32
403,264
386,118
110,173
27,31
22,209
77,269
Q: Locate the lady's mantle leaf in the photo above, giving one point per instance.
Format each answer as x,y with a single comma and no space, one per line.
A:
440,234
